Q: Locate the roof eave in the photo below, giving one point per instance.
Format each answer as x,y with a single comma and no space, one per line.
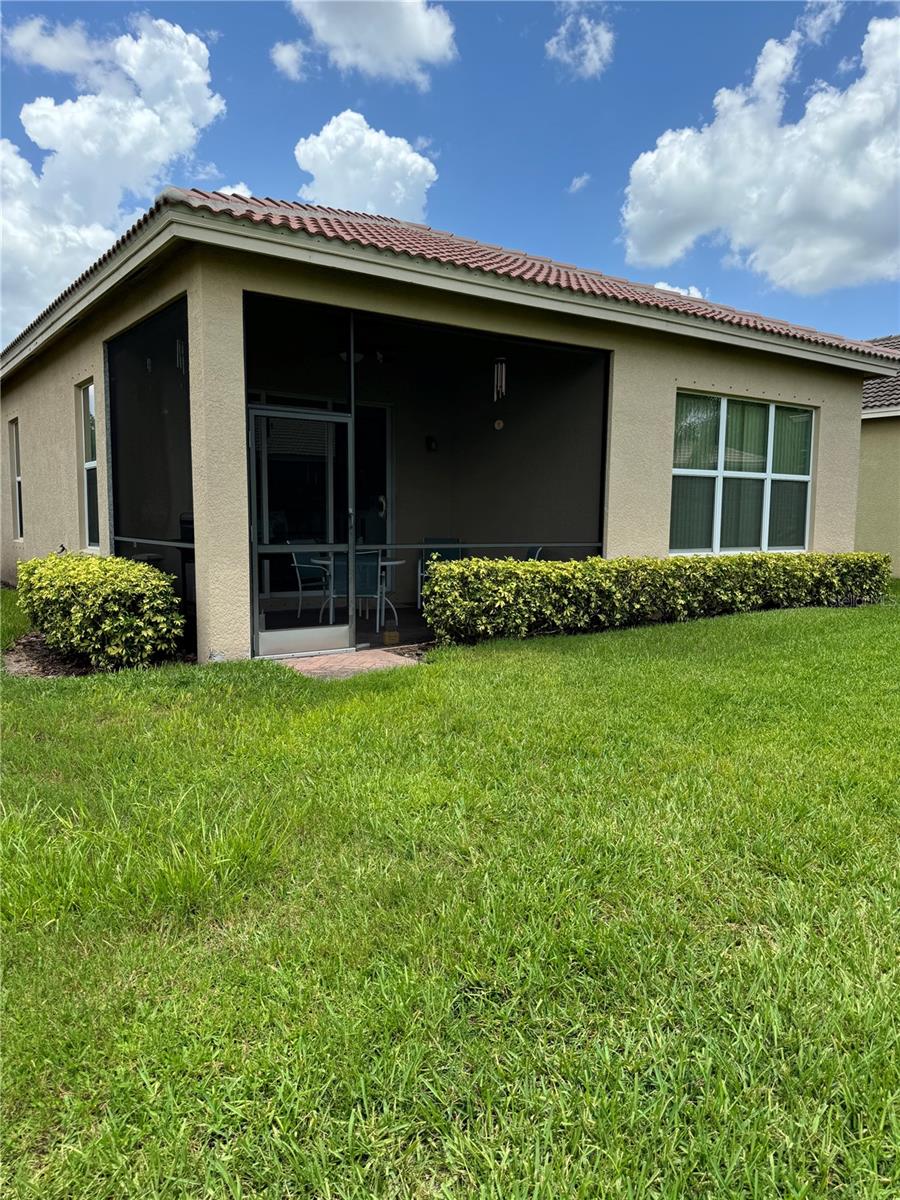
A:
892,411
181,221
159,232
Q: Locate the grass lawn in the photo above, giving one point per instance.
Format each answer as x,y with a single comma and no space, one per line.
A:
13,622
607,916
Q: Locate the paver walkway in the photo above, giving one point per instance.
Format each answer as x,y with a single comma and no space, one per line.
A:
344,666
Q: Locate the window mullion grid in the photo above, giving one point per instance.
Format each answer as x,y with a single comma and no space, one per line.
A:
720,469
767,485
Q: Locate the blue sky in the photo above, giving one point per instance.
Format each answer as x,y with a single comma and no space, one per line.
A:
508,127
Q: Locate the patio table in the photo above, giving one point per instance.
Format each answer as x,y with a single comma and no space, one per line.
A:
385,563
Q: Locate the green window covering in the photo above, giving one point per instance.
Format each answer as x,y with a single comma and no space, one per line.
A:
787,514
693,500
746,436
742,505
793,439
697,432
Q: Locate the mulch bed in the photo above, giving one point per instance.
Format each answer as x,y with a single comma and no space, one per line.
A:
416,650
30,655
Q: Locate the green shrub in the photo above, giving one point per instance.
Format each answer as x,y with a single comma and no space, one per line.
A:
475,598
113,611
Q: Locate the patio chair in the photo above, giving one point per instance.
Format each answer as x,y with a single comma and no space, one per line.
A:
309,573
445,549
371,583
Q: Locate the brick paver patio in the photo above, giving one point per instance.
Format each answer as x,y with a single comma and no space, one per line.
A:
344,666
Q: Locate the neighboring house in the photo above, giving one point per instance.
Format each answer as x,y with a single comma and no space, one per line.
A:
878,506
265,397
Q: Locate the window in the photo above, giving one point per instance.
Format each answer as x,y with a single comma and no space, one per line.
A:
740,475
16,474
89,431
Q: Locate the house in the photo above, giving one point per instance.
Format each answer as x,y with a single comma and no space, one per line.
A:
285,405
878,505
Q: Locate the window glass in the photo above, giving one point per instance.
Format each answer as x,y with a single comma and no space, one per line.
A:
88,423
19,520
91,509
787,513
742,505
793,438
693,503
761,443
746,436
697,432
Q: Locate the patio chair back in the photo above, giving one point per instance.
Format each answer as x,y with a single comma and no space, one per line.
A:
368,572
305,568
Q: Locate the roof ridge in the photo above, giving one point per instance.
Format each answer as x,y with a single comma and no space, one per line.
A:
414,240
594,272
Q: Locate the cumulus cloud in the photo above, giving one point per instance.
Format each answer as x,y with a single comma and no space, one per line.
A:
582,44
235,189
355,166
391,39
288,59
143,100
579,182
693,292
810,205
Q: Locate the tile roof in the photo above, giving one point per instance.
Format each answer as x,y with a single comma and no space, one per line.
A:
883,392
391,235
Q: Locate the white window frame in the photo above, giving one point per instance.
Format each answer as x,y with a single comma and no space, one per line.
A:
15,454
88,464
720,474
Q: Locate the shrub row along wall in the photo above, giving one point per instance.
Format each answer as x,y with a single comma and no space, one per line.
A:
475,598
113,611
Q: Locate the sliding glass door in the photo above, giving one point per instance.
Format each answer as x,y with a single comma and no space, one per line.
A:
301,530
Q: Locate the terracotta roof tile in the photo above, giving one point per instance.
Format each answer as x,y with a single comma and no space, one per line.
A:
883,392
389,234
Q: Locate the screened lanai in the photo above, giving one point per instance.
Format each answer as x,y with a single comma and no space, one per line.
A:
377,442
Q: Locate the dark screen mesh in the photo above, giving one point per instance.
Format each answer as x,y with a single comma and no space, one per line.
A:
150,430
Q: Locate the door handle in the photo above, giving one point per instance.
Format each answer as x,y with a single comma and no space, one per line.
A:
382,506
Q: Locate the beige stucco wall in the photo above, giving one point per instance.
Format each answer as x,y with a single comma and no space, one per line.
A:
646,370
878,512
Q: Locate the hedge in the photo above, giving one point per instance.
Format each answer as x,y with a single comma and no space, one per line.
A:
113,611
475,598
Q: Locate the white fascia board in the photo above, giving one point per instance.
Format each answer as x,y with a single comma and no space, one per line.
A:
136,253
217,230
893,411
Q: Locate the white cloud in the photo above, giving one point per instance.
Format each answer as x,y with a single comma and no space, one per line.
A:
581,44
235,189
144,99
579,182
288,59
64,48
819,19
354,166
390,39
693,292
847,64
811,205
